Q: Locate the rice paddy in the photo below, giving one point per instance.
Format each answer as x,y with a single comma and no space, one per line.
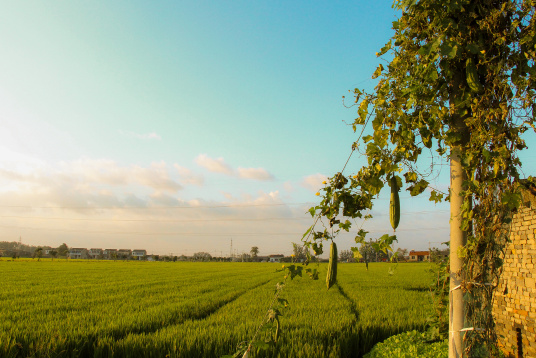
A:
183,309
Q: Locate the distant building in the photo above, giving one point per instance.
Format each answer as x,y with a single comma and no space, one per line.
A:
124,253
261,259
95,253
139,254
109,253
78,253
419,255
276,258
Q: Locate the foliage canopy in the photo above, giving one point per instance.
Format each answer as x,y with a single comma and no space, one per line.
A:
460,74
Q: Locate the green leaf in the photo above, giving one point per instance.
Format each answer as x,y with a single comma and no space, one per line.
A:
363,111
411,177
367,138
307,232
360,237
472,48
449,49
378,71
435,196
357,254
345,225
418,187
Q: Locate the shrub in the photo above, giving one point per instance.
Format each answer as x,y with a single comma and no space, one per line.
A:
408,345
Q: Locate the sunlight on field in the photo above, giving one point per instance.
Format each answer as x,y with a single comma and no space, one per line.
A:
131,309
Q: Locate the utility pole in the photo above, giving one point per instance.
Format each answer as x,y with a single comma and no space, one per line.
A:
458,238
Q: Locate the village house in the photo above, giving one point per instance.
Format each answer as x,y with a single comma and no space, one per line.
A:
419,255
124,253
78,253
95,253
139,254
109,253
276,258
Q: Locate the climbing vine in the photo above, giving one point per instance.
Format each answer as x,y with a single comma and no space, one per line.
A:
456,74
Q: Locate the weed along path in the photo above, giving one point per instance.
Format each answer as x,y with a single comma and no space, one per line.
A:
182,309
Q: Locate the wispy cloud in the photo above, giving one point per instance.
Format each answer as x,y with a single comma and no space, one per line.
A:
254,173
219,165
89,176
189,177
143,136
313,182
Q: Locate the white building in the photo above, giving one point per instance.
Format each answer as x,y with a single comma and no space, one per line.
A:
276,258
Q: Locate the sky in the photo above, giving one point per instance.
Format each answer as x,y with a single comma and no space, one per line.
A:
180,127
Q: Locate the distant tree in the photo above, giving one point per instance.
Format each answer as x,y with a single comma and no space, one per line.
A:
38,253
437,255
367,252
53,254
401,253
183,258
299,252
202,256
113,255
346,255
254,252
245,257
175,258
63,250
14,256
156,257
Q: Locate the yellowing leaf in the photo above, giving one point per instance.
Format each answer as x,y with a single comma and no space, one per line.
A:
378,71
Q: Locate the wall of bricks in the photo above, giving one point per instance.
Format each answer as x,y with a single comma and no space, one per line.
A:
514,307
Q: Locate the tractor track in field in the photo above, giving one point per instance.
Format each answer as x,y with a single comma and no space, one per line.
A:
353,307
194,316
92,341
226,302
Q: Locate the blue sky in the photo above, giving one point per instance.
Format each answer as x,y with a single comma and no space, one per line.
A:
114,113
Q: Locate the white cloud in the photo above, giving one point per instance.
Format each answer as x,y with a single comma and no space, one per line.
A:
219,165
88,177
313,182
254,173
189,177
143,136
156,177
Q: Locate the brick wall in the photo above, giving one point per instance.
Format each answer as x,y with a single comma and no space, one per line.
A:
514,307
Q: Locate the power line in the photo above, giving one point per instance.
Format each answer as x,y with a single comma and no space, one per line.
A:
150,233
172,207
194,220
153,207
196,234
150,220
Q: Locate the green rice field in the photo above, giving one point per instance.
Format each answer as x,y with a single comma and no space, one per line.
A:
93,308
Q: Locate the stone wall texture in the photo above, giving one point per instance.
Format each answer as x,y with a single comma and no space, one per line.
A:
514,306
